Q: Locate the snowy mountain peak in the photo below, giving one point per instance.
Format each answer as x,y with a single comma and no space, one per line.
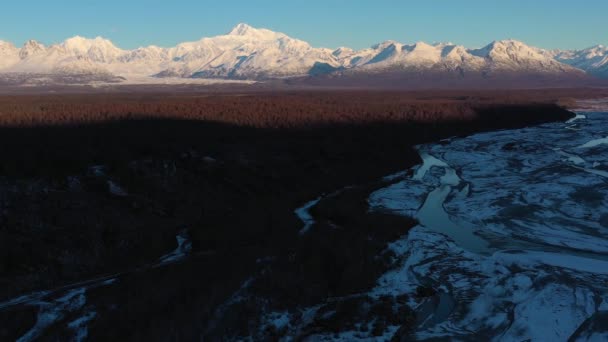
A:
7,47
423,45
593,60
508,42
33,44
422,48
241,29
384,44
76,40
9,54
82,45
507,49
342,51
98,49
598,50
30,48
244,30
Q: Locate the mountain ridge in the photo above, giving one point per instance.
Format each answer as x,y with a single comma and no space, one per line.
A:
248,53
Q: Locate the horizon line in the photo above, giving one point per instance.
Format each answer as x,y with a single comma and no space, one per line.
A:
292,37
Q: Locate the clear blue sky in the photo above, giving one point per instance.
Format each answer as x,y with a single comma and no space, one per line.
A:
326,23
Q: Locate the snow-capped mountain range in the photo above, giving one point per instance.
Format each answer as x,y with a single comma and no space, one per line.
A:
248,53
593,60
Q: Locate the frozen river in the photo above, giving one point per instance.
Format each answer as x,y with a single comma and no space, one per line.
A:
513,234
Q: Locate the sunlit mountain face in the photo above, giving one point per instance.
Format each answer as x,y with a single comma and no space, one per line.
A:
248,53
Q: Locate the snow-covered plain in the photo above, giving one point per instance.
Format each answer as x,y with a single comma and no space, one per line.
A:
538,197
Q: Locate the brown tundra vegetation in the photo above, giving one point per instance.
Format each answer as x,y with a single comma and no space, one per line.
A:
272,110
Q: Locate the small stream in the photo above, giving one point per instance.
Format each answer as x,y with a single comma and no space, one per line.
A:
513,234
432,214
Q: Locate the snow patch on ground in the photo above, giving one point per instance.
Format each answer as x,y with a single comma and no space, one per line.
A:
54,311
184,247
80,326
304,215
577,117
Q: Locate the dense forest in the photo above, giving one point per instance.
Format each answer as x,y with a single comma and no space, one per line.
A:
264,109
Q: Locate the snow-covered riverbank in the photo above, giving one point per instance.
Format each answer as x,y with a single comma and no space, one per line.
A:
68,304
513,233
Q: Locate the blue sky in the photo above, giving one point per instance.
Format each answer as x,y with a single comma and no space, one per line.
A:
326,23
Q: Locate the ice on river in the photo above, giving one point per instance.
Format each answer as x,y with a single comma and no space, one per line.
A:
536,200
